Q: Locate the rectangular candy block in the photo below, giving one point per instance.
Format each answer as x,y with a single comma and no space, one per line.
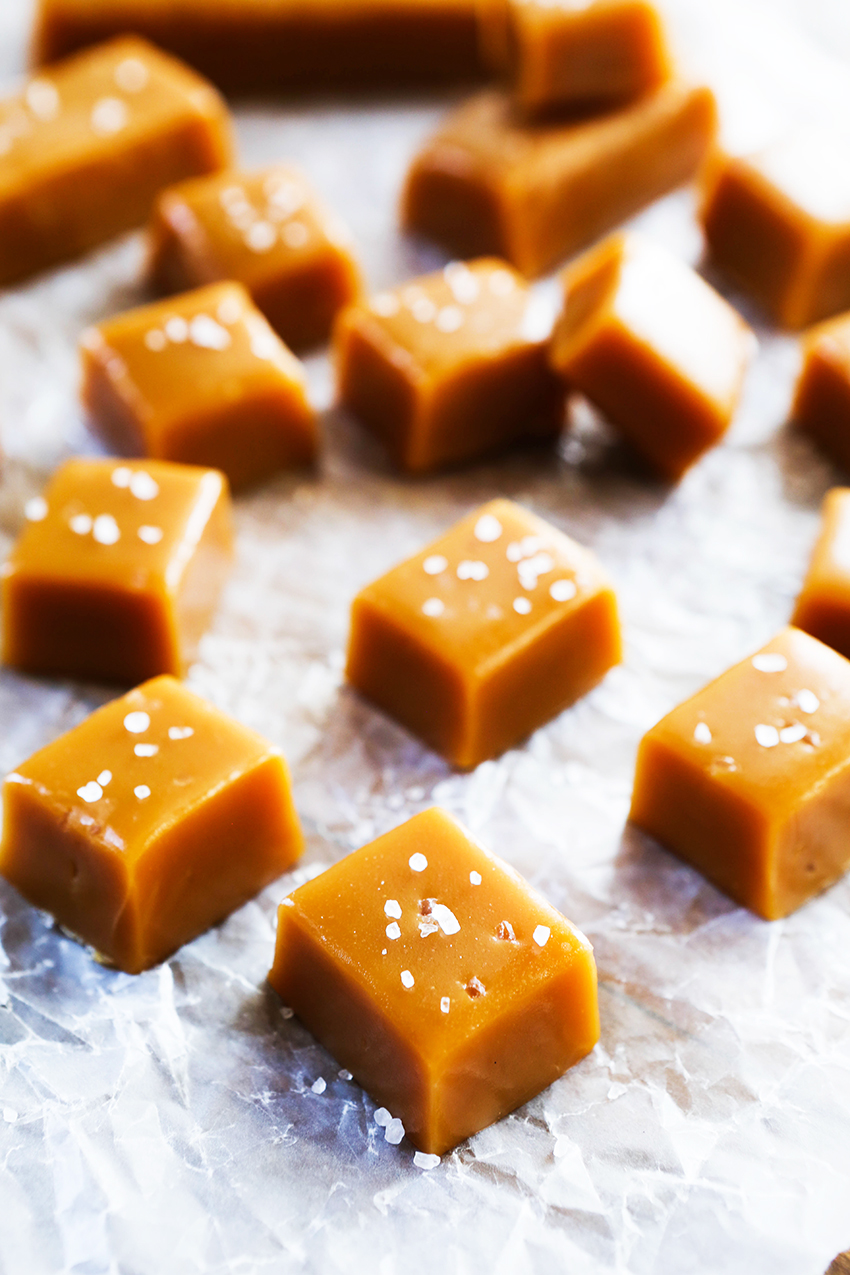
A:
272,46
823,607
200,378
118,570
749,780
429,969
486,634
267,230
822,398
89,143
488,183
449,367
654,347
148,823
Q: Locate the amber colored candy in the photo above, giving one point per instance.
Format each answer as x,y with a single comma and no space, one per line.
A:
267,230
87,145
822,398
200,378
274,46
777,224
534,193
750,779
148,823
449,367
654,347
438,977
118,570
823,606
486,634
562,55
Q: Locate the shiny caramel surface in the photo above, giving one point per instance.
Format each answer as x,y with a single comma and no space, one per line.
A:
823,606
822,396
440,951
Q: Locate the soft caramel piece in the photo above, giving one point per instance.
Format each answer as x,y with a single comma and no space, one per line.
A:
200,378
487,183
148,823
750,779
118,570
654,347
823,607
438,977
486,634
449,367
89,143
267,230
273,46
777,224
822,399
563,54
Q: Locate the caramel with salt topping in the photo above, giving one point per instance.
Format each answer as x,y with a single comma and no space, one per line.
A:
749,780
450,366
117,571
267,230
148,823
87,145
431,970
485,635
823,606
200,378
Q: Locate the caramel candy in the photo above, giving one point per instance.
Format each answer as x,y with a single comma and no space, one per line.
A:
148,823
487,183
269,46
822,399
268,231
450,366
778,225
563,54
654,347
200,378
823,607
750,780
87,145
486,634
429,969
118,571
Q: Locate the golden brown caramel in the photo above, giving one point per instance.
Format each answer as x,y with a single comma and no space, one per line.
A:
89,143
268,231
750,779
654,347
118,571
148,823
823,607
200,378
486,634
533,194
822,399
449,367
428,967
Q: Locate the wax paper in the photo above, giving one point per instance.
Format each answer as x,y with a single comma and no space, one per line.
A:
181,1121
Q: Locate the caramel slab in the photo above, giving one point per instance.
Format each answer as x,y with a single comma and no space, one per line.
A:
822,397
823,606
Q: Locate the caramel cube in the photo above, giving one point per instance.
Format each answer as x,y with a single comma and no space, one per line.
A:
118,570
432,971
267,230
449,367
486,634
89,143
823,607
564,55
154,819
822,399
777,224
534,194
654,347
200,378
750,779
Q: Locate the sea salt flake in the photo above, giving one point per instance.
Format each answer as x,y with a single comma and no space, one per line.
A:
522,606
793,734
150,535
90,792
770,662
105,530
205,333
435,565
474,877
143,486
319,1085
35,510
344,1074
180,732
393,930
767,736
382,1117
505,931
392,909
472,569
541,935
562,590
433,608
142,792
104,778
80,524
702,733
137,722
394,1131
488,528
445,1004
407,979
425,1160
146,750
807,701
417,862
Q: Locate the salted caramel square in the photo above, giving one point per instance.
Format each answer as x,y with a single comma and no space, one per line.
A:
823,605
203,379
489,181
654,347
486,634
822,396
430,969
449,367
266,229
118,570
87,145
151,821
749,781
